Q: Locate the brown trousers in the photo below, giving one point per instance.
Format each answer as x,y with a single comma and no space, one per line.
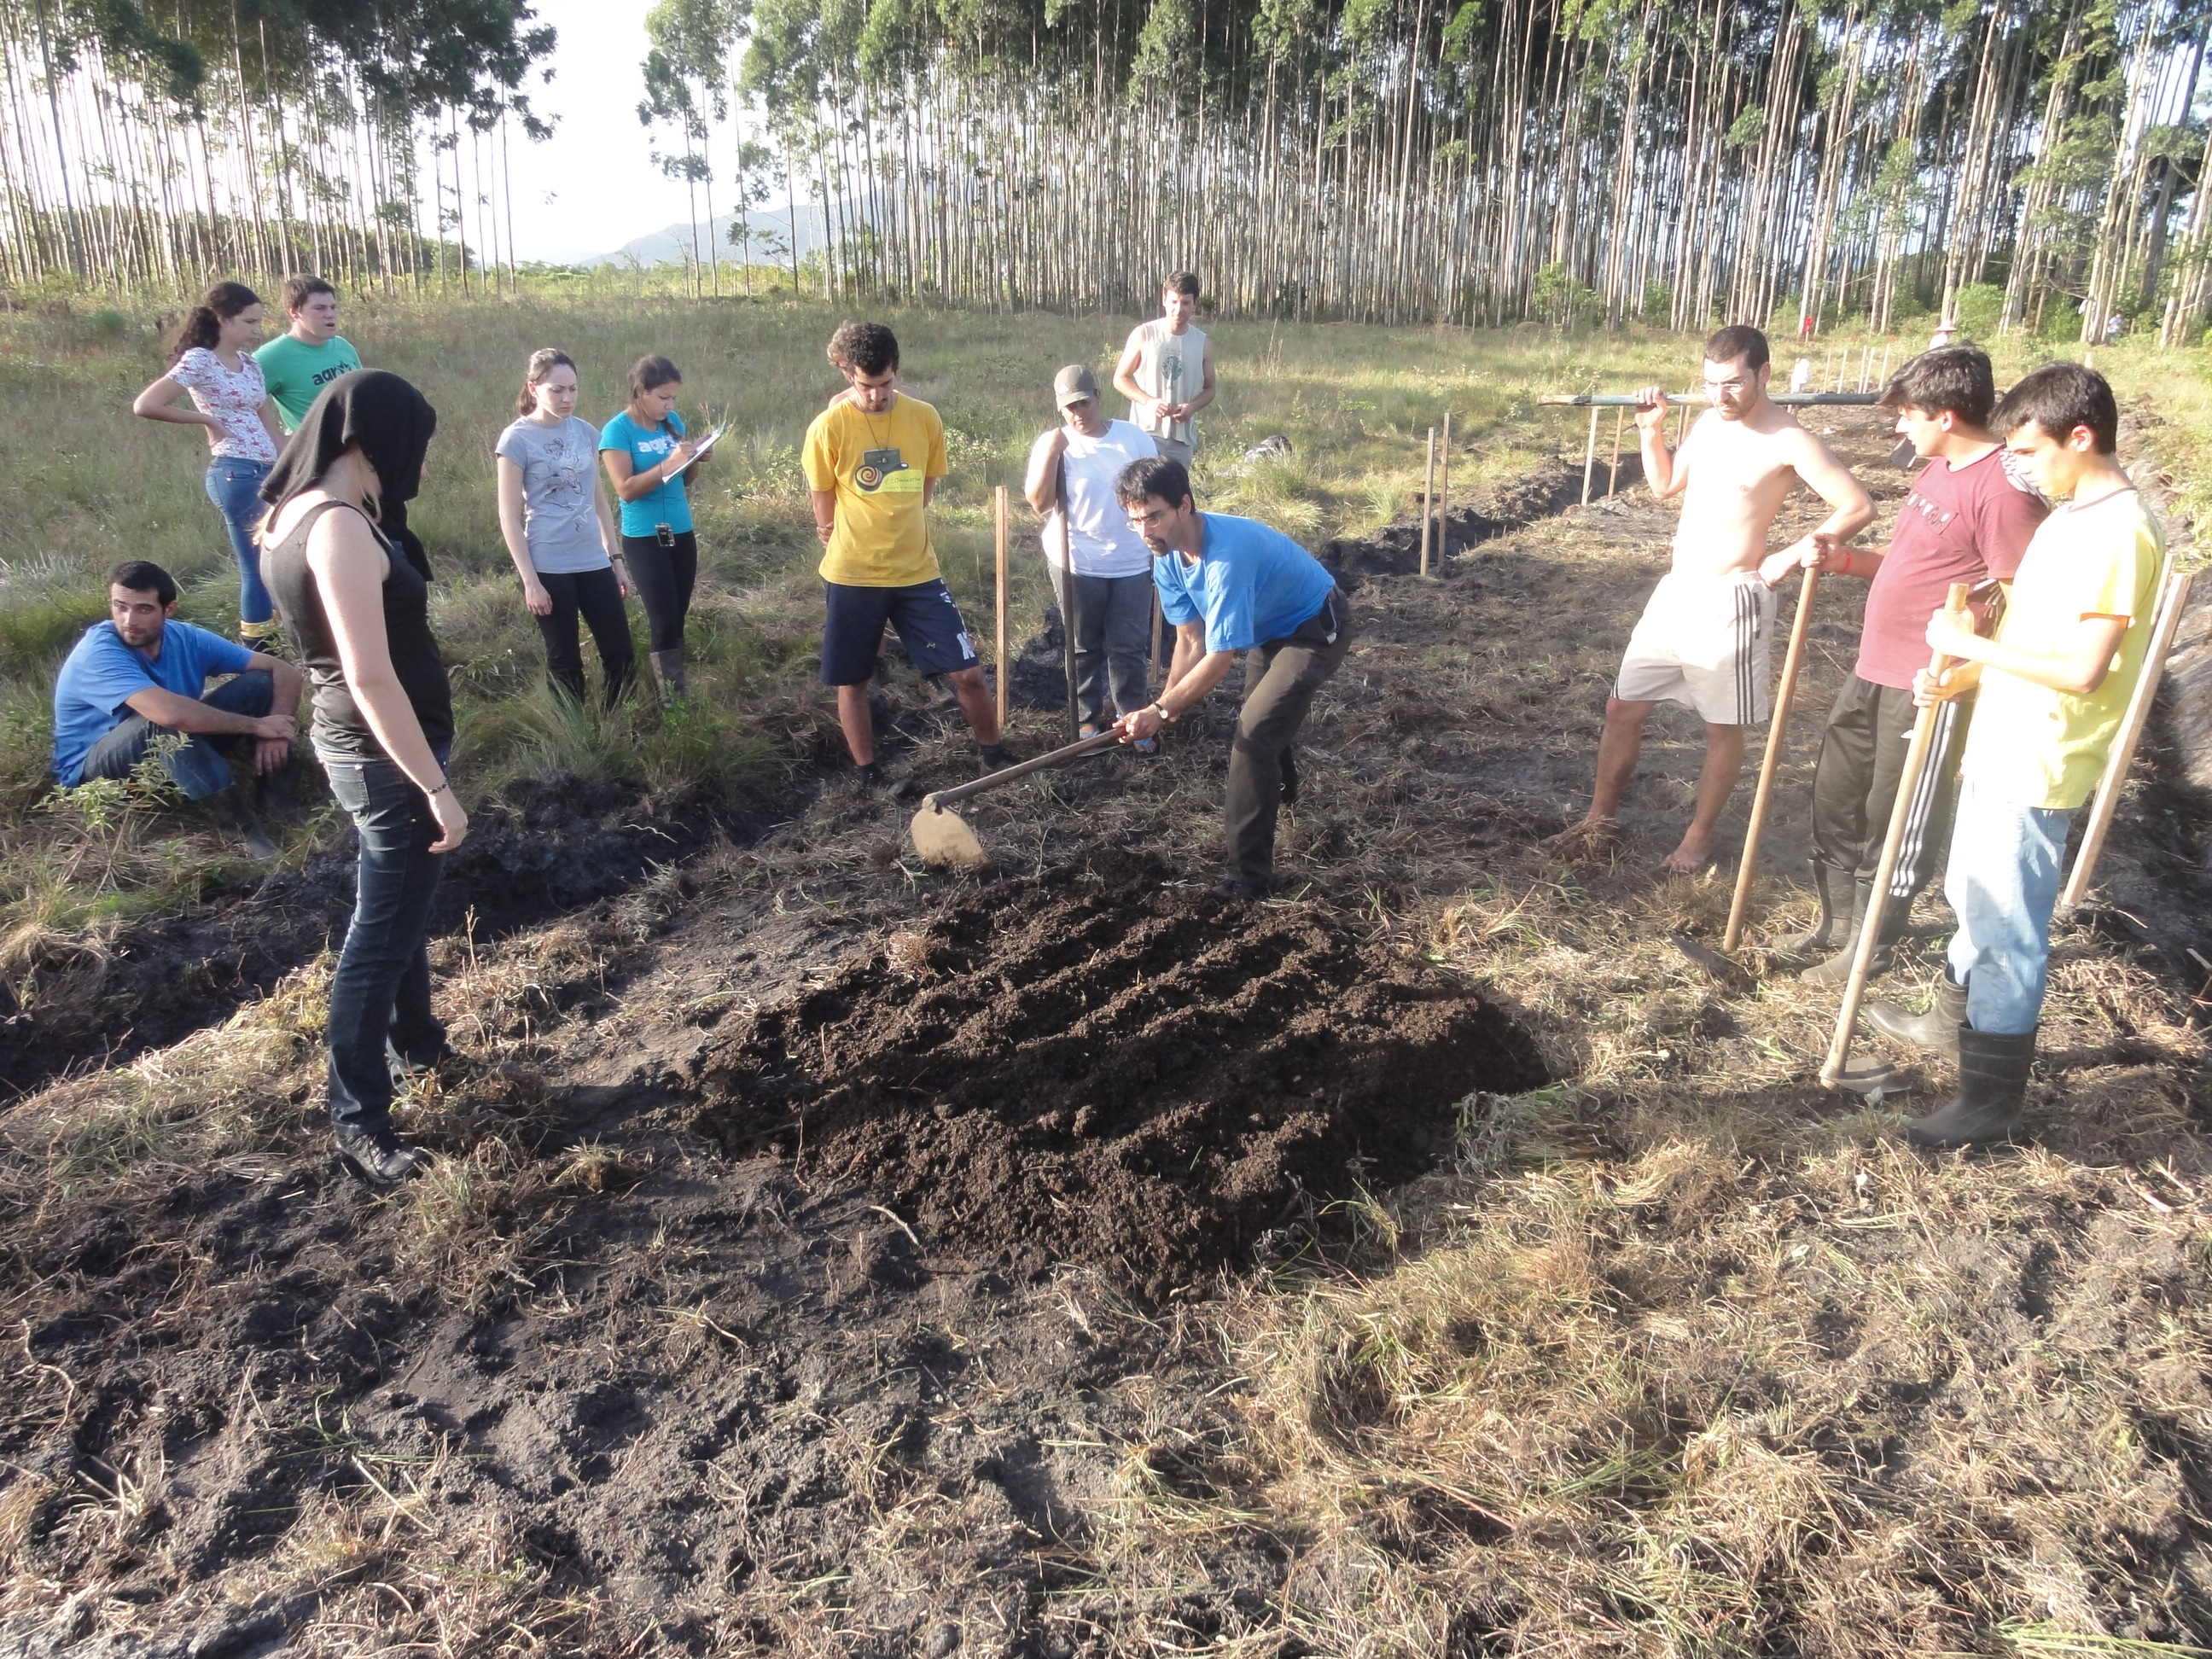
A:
1280,678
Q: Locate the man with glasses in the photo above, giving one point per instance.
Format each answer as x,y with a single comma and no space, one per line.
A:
1232,585
1704,634
1112,579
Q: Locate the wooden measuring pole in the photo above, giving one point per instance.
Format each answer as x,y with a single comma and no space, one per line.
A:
1681,421
1159,644
1776,736
1613,473
1004,669
1589,455
1908,784
2167,622
1444,493
1428,500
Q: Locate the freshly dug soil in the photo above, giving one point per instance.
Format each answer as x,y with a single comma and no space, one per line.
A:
1105,1065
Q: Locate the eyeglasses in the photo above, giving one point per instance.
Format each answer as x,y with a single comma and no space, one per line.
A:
1141,522
1724,388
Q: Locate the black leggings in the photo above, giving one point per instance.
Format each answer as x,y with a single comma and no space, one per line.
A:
663,577
596,596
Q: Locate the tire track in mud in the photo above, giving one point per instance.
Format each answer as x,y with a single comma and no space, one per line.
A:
1096,1066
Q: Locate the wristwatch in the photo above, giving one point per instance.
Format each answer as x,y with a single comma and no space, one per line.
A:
1161,710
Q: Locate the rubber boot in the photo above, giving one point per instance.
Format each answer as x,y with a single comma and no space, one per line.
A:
1937,1030
1814,944
1837,969
229,812
668,669
276,794
1992,1096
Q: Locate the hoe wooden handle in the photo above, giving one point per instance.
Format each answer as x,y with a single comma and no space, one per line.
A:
1021,769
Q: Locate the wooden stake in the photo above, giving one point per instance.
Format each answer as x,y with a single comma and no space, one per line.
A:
1908,784
1004,669
1776,737
1613,473
1590,456
2166,624
1428,500
1444,493
1070,617
1681,421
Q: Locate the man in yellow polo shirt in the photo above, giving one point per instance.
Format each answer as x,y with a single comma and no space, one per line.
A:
2054,684
872,461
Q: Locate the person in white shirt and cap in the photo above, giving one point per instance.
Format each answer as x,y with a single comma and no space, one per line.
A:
1112,580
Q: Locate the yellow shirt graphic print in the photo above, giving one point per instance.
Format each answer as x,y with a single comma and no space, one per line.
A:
877,465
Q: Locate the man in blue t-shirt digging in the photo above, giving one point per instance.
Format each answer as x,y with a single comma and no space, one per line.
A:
1232,585
140,677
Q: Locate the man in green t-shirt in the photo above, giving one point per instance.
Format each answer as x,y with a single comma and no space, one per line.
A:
2055,682
296,366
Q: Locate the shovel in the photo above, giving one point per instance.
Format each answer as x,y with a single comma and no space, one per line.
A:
943,837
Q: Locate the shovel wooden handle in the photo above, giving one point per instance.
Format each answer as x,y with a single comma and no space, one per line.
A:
1869,938
1776,739
943,798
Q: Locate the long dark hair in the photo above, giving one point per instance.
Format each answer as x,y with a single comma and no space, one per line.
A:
543,363
647,373
203,323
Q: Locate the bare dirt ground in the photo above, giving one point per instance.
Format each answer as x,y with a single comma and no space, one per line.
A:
829,1255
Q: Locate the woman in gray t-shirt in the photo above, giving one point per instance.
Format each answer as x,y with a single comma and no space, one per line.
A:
560,532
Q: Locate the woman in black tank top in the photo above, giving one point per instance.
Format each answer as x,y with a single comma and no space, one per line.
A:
383,725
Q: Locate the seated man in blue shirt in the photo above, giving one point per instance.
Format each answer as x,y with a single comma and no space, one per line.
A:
142,676
1232,585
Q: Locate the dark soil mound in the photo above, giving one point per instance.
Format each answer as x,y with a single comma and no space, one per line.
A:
1096,1066
1395,550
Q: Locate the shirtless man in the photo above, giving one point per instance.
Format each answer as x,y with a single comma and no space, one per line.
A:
1704,634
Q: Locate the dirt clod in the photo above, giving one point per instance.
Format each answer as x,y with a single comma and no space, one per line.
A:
1098,1065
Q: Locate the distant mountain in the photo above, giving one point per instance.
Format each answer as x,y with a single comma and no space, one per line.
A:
673,245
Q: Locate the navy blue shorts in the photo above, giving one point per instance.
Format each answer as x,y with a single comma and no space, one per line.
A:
927,621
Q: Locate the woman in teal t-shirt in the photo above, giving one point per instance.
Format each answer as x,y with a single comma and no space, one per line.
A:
644,450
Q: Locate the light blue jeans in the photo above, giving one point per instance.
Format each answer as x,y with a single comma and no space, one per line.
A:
234,487
2006,861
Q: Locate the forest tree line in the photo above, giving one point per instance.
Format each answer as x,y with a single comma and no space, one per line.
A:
1465,162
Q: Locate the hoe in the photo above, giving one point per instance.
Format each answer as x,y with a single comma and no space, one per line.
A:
943,837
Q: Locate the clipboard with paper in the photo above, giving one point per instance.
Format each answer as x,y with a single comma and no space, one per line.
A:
706,444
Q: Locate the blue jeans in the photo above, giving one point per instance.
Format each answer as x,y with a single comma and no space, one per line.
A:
2003,879
381,990
234,487
196,765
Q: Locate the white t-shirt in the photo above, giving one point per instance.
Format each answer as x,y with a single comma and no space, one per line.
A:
1104,545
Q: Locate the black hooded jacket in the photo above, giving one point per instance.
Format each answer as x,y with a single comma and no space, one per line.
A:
392,422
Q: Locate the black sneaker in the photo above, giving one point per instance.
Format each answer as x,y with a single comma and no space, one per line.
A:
997,758
383,1158
871,775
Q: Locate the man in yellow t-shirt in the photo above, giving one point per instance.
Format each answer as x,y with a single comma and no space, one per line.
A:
2055,684
872,461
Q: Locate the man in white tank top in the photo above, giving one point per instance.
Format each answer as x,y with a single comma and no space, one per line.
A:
1166,370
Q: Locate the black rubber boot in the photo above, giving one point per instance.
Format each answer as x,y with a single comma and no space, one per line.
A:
277,794
1289,765
1815,944
229,811
668,669
1992,1096
1937,1030
1837,969
997,758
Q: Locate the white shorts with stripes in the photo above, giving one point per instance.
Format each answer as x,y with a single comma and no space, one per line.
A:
1702,641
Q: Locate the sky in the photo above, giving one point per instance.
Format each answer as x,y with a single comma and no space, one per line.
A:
592,186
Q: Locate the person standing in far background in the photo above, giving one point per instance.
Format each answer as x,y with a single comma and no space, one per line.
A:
560,532
1166,371
215,363
300,363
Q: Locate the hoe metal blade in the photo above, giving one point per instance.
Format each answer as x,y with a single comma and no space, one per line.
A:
943,837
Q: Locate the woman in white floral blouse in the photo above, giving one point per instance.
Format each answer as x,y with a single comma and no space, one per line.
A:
215,363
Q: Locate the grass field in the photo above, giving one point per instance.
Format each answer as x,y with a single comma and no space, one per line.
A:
1680,1356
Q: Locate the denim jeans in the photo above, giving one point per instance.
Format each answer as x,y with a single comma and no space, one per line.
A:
1113,636
195,764
382,987
234,487
2003,879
